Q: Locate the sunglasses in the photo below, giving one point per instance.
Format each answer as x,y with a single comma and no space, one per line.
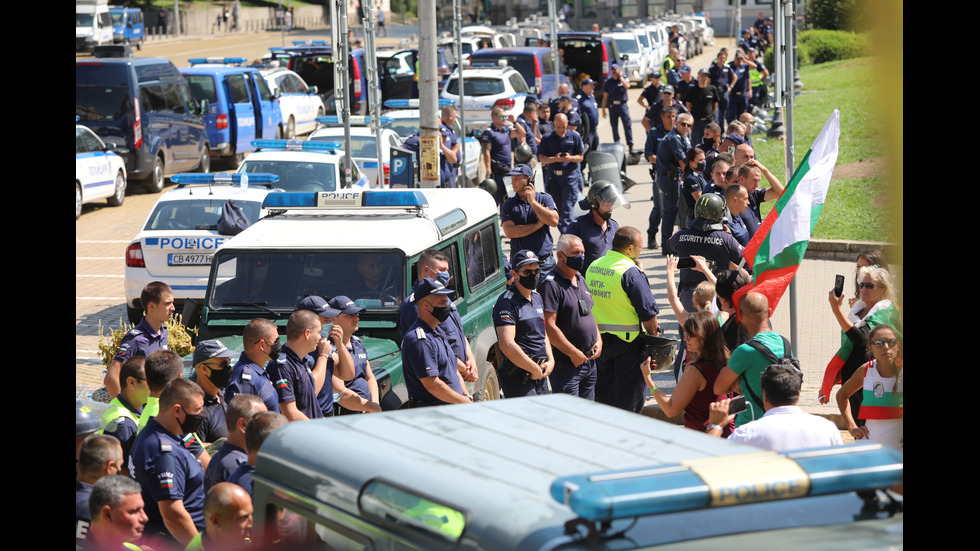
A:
684,124
890,343
867,285
526,273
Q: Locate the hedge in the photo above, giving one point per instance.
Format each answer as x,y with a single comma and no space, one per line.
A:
821,46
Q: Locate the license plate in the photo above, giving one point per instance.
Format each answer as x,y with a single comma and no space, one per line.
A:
189,259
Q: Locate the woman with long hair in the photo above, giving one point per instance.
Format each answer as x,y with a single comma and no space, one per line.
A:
881,383
693,394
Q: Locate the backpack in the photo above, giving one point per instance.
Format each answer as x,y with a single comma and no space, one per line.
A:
232,220
786,359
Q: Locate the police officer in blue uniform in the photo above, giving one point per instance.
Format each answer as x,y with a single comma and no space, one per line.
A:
560,153
363,390
668,117
528,216
518,318
171,478
121,420
590,115
232,454
670,156
496,148
741,91
569,323
722,78
431,367
617,100
652,93
149,335
212,370
260,339
449,146
296,375
528,119
597,227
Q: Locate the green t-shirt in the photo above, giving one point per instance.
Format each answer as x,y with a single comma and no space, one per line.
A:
752,363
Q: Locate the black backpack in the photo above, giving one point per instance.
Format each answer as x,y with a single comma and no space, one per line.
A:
233,220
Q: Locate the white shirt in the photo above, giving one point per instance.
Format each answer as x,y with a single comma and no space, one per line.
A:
787,428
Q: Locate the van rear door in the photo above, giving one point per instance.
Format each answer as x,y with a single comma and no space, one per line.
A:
242,111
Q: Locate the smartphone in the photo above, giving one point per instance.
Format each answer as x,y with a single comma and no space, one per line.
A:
838,285
736,405
686,262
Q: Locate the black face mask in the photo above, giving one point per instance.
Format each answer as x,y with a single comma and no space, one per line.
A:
701,166
708,141
191,422
530,281
605,215
275,350
442,313
220,377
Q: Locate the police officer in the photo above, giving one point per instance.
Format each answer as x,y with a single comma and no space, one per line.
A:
529,120
568,107
563,90
624,307
615,93
670,159
518,318
596,228
449,146
560,153
569,323
260,339
668,117
496,148
741,91
590,115
706,237
702,102
651,94
150,334
99,456
686,84
652,116
431,368
121,420
172,480
758,73
232,454
361,392
723,78
528,216
297,375
212,367
669,66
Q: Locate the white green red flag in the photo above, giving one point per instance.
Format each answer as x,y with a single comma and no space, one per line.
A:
776,250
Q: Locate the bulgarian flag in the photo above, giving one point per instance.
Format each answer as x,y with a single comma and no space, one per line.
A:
777,248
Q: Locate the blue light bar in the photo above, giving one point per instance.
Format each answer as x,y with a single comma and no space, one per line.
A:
311,43
355,120
289,199
223,178
297,144
216,60
736,480
394,198
413,103
347,198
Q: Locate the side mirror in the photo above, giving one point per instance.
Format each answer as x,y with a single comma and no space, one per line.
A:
314,90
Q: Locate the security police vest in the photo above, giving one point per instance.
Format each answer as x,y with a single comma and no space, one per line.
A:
614,313
116,411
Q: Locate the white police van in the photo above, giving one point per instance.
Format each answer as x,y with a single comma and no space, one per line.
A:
179,237
99,172
557,473
364,244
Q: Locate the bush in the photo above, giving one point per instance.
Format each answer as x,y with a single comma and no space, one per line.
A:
802,52
823,45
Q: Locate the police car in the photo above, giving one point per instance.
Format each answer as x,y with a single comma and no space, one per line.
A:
99,172
486,87
179,237
303,165
299,102
363,244
559,473
363,144
403,118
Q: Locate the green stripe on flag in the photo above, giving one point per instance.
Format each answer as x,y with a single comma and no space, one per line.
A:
801,171
790,256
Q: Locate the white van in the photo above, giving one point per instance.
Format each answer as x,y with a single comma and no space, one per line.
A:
93,24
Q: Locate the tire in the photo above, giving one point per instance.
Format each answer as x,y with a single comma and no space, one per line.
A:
487,386
291,128
78,200
135,315
279,132
205,164
154,184
235,161
119,194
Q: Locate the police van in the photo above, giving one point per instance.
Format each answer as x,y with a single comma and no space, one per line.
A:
557,472
364,244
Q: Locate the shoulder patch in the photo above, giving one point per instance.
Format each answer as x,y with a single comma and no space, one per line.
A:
549,277
508,294
165,446
419,333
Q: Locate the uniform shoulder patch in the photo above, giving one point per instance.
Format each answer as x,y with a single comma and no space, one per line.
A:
419,333
165,445
508,294
549,277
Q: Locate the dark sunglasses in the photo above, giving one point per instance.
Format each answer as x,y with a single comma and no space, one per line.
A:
530,272
891,343
867,285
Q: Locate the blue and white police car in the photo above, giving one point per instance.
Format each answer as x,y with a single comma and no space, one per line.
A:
99,172
179,237
303,165
363,144
300,103
486,86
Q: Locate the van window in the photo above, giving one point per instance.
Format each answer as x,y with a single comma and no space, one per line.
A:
152,98
291,530
479,86
265,94
101,91
202,87
238,89
482,255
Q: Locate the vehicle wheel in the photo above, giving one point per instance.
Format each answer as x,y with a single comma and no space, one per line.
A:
205,164
291,128
279,132
78,200
235,161
120,191
135,315
487,386
154,184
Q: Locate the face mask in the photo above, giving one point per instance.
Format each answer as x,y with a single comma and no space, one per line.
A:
275,350
192,422
605,215
220,378
701,166
575,262
442,313
443,277
709,141
529,282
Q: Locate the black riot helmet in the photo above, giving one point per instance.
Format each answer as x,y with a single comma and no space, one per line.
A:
523,153
489,185
603,191
709,211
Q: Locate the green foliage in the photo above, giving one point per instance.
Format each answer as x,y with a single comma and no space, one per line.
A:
822,45
840,15
410,7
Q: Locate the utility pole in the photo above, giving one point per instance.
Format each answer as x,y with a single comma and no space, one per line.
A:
429,135
553,17
458,54
374,101
341,83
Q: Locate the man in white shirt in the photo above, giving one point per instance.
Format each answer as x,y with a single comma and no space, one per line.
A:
785,426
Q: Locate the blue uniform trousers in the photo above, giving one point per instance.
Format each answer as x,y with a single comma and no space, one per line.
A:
617,112
619,382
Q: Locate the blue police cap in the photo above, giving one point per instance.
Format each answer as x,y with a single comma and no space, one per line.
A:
654,74
615,66
208,349
523,257
521,170
587,81
531,98
685,68
668,89
429,286
736,138
317,305
344,305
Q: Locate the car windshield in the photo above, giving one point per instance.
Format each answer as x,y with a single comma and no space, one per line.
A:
278,281
360,146
627,45
644,39
83,19
195,214
476,86
295,175
402,127
117,18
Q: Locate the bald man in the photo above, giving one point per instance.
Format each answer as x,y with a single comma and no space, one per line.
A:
228,515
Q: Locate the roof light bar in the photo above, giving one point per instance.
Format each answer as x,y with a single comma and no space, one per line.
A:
412,103
297,144
223,178
355,120
217,60
289,200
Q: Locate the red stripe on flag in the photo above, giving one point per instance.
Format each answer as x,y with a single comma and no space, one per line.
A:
831,374
772,284
761,235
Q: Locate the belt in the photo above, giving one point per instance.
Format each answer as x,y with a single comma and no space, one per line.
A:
558,172
618,102
416,403
739,93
